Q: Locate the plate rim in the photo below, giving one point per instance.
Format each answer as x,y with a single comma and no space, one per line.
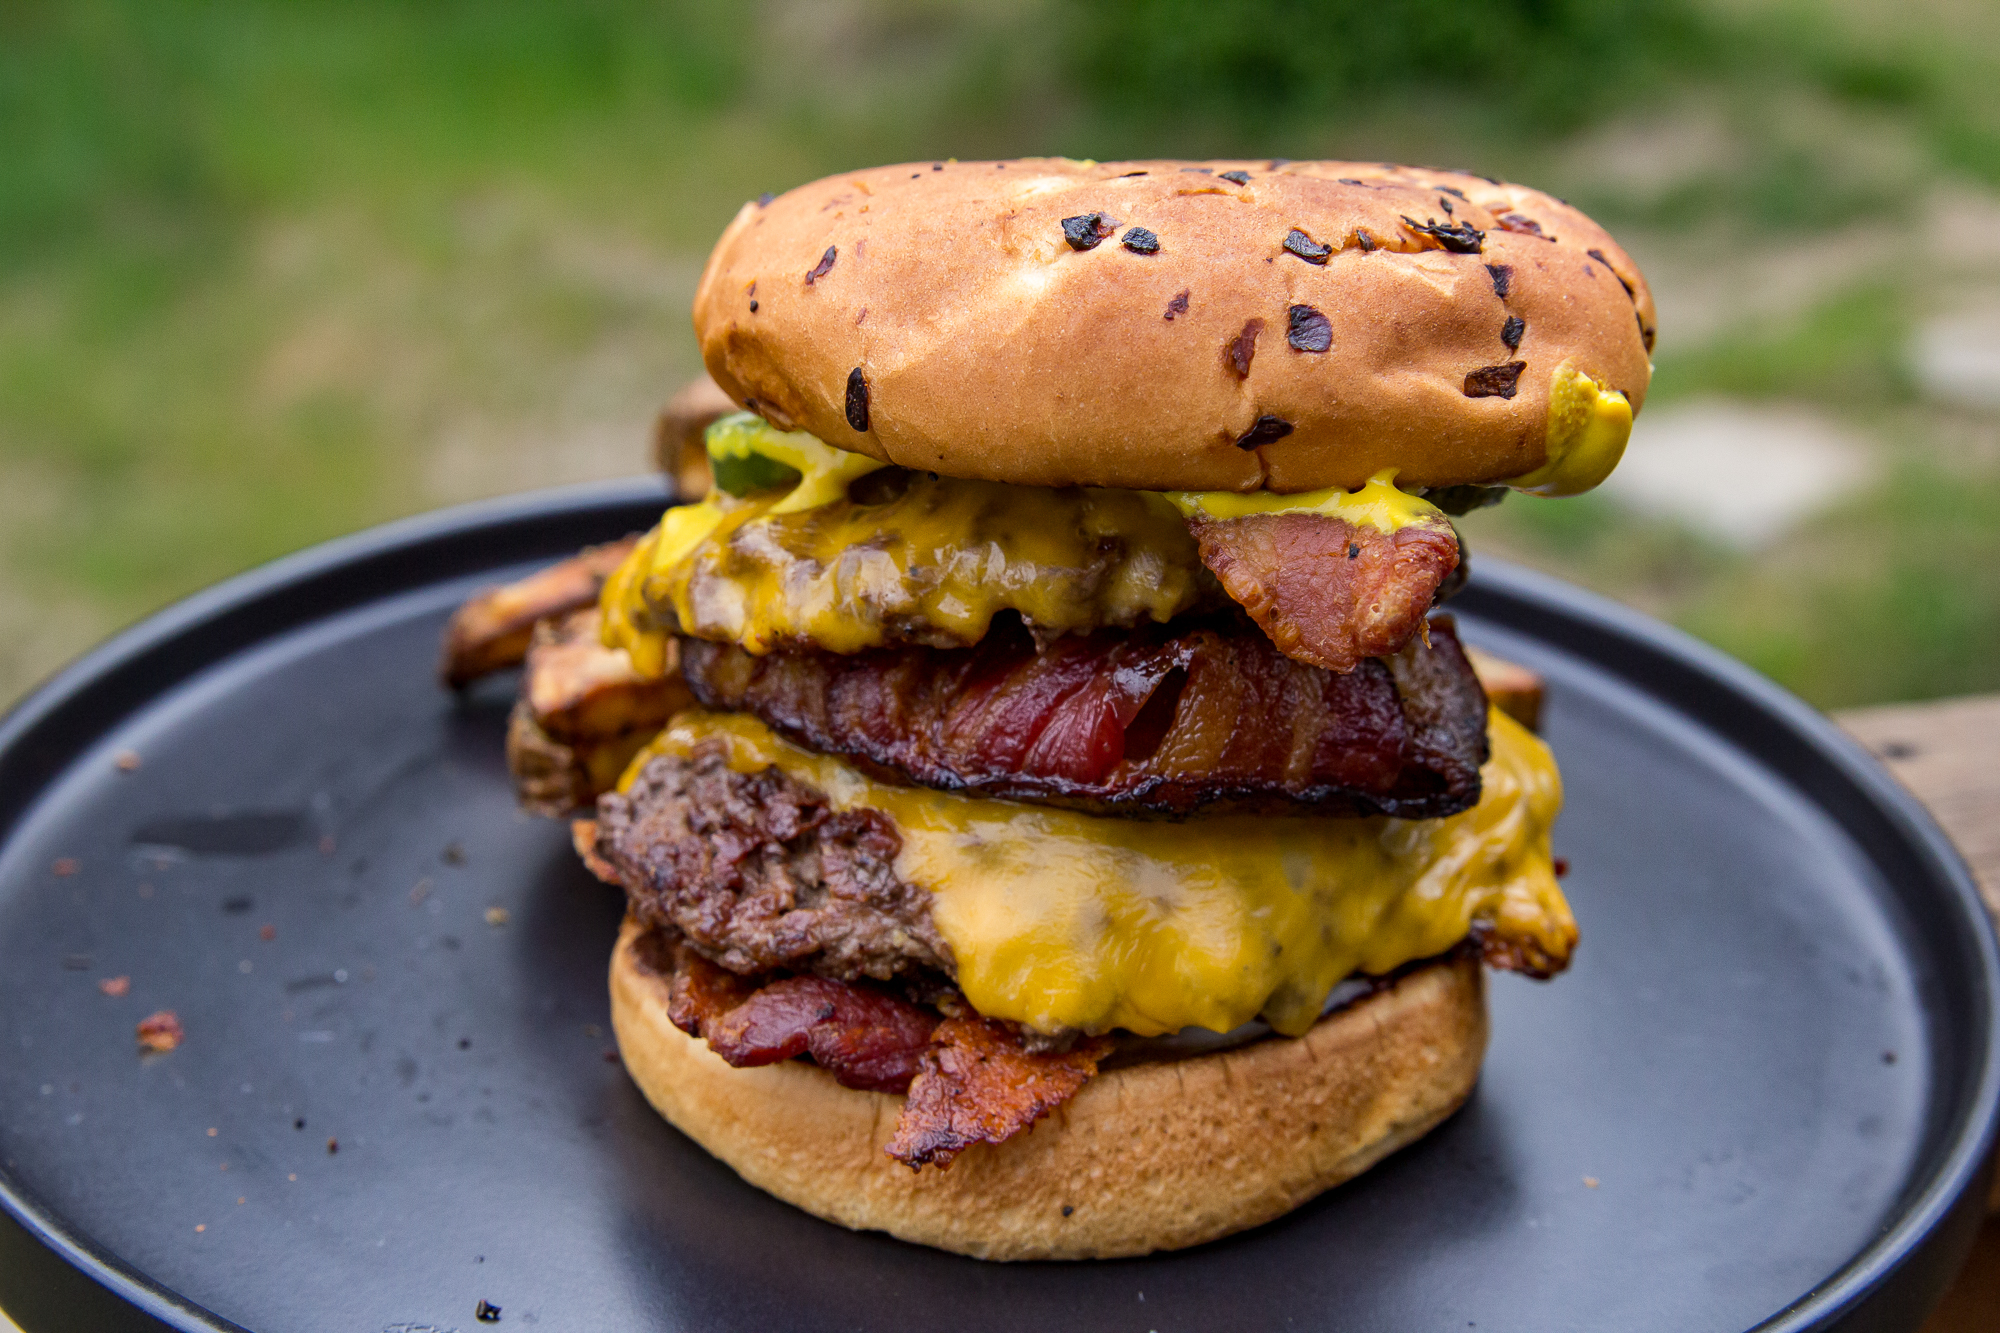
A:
408,554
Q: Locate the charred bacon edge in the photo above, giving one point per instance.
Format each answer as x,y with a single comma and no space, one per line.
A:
1424,790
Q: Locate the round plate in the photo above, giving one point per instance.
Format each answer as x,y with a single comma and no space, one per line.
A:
1764,1096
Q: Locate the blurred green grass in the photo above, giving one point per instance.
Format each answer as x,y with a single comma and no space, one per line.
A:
270,271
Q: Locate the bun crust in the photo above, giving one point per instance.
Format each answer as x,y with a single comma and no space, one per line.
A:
1148,1157
989,347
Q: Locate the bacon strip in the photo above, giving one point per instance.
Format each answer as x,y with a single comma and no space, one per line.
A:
583,713
680,435
581,690
493,628
700,992
1329,592
978,1086
1157,720
968,1079
867,1038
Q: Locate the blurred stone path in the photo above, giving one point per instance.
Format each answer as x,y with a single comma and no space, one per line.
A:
1738,473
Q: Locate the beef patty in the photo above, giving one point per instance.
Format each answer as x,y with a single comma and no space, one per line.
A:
758,874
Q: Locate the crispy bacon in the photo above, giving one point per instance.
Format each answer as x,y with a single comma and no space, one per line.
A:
581,690
1159,720
680,435
1510,687
1329,592
553,777
583,838
493,628
969,1080
866,1038
583,713
1506,950
978,1086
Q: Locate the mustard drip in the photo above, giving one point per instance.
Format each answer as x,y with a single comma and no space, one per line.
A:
1589,423
1060,919
1379,504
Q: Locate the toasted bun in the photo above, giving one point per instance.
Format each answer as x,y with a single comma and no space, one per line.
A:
991,348
1149,1157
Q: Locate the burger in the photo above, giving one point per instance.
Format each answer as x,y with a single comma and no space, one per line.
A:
1055,820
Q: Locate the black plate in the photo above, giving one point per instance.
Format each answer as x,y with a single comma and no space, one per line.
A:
1775,1054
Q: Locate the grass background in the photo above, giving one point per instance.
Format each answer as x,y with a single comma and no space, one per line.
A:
271,270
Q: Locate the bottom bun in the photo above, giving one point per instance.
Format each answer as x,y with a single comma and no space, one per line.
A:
1148,1157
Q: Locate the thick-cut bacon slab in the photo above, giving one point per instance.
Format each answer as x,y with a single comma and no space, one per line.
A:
978,1086
1329,592
1159,720
493,628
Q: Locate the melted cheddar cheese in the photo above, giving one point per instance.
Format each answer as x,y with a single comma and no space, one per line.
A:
800,562
1060,919
934,564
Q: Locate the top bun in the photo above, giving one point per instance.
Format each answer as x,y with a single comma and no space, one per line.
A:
1134,324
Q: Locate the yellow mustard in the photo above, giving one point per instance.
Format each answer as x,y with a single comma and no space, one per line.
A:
1589,423
1378,504
824,471
1060,919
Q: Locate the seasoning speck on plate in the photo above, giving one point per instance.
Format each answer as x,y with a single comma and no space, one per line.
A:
115,986
496,916
161,1032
